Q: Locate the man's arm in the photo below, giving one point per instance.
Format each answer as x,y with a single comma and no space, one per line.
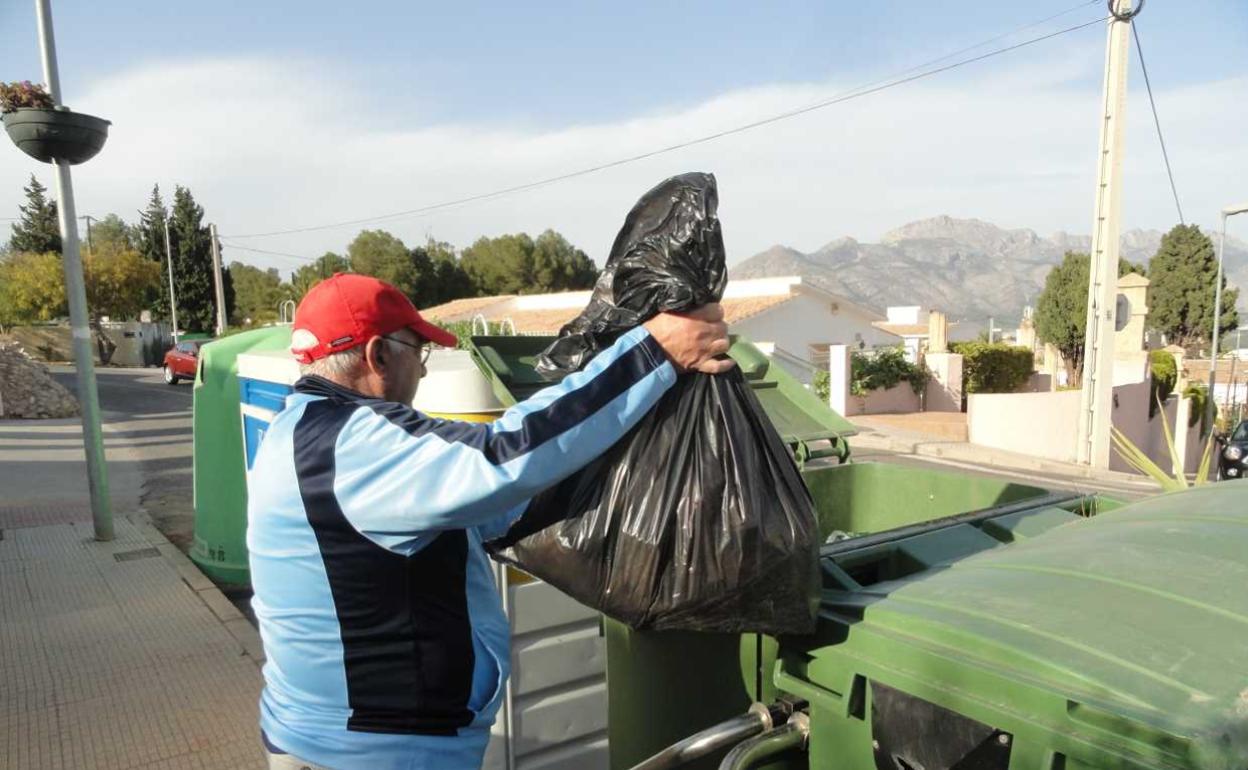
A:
399,472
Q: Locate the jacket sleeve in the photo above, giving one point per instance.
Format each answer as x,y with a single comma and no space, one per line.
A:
400,473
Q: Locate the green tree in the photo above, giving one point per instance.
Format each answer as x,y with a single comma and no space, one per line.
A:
193,280
37,232
120,281
257,293
112,234
311,274
1181,289
33,287
560,266
516,264
1062,309
150,242
449,276
381,255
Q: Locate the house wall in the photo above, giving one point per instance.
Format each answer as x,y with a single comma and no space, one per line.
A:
806,320
899,399
1036,424
1044,425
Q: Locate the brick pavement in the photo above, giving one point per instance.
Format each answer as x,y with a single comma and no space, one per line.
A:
120,654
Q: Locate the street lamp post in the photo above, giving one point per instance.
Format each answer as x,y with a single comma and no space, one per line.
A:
76,296
1212,407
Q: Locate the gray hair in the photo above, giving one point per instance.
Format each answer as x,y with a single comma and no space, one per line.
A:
341,365
335,366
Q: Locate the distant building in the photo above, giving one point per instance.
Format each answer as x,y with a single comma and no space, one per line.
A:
912,324
791,320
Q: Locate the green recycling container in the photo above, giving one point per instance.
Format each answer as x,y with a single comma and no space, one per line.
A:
664,686
220,480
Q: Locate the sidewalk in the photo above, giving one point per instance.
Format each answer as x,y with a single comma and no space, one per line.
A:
880,436
112,655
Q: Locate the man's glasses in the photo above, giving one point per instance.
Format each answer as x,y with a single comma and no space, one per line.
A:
425,349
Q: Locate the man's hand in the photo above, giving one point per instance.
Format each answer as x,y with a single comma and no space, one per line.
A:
693,340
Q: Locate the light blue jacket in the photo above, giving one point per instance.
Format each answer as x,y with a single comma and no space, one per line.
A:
385,639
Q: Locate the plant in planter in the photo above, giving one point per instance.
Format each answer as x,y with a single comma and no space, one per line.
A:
46,132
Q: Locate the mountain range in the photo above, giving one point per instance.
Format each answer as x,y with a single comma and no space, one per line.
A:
968,268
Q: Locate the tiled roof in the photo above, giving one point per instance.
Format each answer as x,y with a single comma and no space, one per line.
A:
549,321
903,330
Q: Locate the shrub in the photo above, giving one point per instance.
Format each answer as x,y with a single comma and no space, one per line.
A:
1165,374
23,94
882,370
993,368
821,385
463,330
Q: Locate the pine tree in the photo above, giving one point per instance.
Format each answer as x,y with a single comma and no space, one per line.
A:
1181,290
38,231
192,263
151,244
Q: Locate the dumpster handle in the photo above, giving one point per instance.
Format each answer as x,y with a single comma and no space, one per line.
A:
757,720
754,750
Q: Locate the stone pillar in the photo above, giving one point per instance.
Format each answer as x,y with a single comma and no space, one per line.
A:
937,332
1052,364
1131,312
1025,337
838,378
944,390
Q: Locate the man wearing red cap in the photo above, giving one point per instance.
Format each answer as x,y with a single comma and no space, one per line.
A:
385,639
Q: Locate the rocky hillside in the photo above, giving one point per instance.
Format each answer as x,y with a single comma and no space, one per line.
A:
969,268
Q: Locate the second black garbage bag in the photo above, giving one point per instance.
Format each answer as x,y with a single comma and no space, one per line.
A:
697,519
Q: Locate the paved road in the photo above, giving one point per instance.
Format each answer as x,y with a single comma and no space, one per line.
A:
156,418
131,392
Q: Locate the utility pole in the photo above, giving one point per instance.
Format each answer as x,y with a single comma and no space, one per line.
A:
1212,405
173,302
219,284
1096,403
88,217
75,289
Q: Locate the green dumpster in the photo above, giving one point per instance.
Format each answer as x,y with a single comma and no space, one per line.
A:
220,481
719,675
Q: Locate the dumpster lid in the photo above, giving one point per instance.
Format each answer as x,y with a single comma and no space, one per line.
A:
798,414
1129,624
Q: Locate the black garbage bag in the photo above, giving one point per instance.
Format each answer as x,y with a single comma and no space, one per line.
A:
669,255
697,519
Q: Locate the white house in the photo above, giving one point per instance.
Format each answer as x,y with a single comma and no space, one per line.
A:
790,319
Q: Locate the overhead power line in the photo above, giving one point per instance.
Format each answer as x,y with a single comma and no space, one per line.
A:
228,245
844,97
1156,121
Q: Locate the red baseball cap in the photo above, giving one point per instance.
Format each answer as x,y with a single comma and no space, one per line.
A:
350,309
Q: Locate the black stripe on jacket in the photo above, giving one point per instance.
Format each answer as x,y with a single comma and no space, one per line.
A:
406,634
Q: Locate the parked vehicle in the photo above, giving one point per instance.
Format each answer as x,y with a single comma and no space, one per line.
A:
1233,454
181,360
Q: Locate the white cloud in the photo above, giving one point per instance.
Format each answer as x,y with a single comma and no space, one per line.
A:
267,144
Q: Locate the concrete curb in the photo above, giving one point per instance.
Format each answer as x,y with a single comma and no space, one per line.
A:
969,453
221,607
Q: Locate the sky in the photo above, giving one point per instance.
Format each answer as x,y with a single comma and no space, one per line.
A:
285,115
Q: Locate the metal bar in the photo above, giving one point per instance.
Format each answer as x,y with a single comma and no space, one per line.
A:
218,285
710,740
1211,408
1051,500
792,736
79,317
173,302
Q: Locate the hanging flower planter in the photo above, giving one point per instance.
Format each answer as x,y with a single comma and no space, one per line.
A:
49,134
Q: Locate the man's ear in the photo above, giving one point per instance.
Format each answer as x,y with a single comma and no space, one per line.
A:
375,355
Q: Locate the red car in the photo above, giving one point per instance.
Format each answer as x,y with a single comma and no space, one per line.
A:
180,362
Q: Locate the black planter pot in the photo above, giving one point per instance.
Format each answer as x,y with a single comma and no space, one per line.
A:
50,135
